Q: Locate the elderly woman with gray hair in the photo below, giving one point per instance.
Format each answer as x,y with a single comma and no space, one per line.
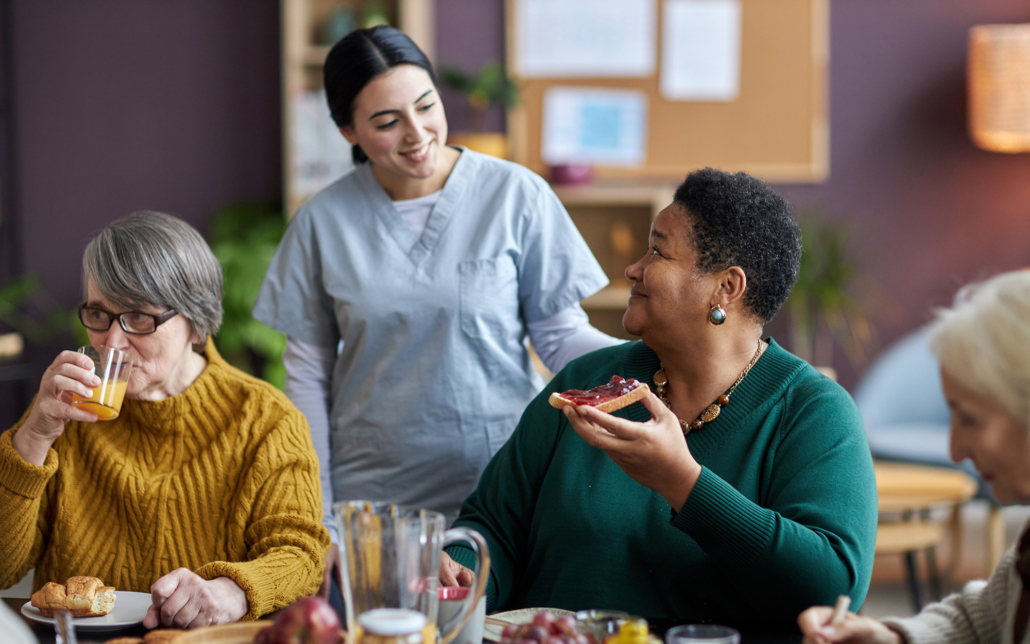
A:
983,344
204,491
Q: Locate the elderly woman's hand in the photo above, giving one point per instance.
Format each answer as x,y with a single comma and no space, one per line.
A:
453,573
182,599
70,372
853,629
332,563
652,453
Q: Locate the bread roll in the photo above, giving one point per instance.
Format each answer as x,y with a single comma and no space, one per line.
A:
81,596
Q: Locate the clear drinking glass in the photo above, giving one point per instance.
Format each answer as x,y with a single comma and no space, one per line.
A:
599,625
113,367
390,559
702,634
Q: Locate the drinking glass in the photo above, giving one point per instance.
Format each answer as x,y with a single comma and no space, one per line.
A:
390,559
702,634
113,367
599,625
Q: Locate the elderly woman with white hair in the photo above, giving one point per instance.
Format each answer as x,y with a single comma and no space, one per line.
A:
204,491
983,344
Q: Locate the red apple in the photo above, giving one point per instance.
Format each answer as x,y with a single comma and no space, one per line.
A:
306,621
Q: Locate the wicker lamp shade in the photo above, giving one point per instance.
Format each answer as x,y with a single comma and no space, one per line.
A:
999,87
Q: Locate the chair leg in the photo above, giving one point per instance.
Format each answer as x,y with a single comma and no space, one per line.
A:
955,545
995,538
933,574
913,581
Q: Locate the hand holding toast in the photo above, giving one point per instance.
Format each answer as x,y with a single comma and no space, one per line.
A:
652,453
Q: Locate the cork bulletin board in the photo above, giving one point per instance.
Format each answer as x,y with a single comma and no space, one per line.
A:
777,128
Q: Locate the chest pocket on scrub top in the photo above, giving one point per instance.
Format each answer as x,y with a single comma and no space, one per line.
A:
489,296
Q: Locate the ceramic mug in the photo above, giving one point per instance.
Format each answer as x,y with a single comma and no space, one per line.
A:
451,599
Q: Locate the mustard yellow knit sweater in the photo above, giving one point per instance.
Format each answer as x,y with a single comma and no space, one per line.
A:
221,479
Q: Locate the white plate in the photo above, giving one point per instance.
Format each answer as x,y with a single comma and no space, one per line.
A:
129,610
492,632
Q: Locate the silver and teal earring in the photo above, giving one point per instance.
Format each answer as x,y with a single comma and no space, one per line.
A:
717,315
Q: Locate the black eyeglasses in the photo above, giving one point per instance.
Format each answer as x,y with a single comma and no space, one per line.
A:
133,322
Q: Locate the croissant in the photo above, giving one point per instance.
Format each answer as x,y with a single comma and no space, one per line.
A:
81,596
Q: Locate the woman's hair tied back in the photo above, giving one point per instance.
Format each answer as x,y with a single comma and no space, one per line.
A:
356,60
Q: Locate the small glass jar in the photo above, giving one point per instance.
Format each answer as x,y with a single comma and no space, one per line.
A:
600,625
391,626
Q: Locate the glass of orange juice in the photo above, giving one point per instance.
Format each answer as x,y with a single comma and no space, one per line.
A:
113,367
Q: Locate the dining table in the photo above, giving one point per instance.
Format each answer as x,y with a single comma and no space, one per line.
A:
46,634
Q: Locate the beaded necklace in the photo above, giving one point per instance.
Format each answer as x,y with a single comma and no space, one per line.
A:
711,412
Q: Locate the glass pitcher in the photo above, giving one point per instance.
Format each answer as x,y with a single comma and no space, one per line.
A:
390,558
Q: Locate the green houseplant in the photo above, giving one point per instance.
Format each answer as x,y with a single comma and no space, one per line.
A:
828,304
244,238
489,86
26,308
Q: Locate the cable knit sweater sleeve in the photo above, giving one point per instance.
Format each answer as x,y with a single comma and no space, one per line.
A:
979,614
22,510
285,542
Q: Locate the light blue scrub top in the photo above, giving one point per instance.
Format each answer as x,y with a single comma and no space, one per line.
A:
434,370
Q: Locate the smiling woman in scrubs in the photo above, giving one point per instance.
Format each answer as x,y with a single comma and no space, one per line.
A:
408,289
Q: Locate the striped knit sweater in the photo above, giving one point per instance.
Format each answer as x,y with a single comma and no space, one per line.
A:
981,613
221,479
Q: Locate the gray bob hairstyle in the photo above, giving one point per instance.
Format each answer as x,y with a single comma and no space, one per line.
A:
154,259
983,341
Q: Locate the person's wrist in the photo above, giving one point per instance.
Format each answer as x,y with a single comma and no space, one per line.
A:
30,445
894,636
681,484
241,606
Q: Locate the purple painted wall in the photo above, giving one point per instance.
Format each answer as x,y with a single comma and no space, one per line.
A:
469,34
124,105
929,211
175,106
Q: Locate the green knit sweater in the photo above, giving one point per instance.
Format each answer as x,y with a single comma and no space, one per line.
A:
783,516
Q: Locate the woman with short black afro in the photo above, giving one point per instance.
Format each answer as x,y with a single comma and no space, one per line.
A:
738,492
736,220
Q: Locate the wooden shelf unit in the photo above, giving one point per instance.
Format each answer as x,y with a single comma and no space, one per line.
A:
303,54
615,220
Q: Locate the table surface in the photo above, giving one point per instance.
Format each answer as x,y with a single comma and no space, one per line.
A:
46,635
901,486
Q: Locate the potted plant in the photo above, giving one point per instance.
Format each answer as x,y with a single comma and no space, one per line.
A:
244,239
828,304
490,86
31,316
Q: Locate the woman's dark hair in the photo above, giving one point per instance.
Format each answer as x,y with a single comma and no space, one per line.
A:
357,59
737,220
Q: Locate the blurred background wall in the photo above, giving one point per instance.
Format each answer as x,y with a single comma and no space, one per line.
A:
121,105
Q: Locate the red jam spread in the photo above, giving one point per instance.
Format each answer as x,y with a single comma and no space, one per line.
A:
615,388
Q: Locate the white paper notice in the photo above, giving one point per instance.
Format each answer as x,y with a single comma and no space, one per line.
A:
701,50
594,126
564,38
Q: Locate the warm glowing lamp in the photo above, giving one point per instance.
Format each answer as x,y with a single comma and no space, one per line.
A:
999,87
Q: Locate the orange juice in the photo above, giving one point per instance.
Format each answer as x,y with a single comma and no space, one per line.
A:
106,401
